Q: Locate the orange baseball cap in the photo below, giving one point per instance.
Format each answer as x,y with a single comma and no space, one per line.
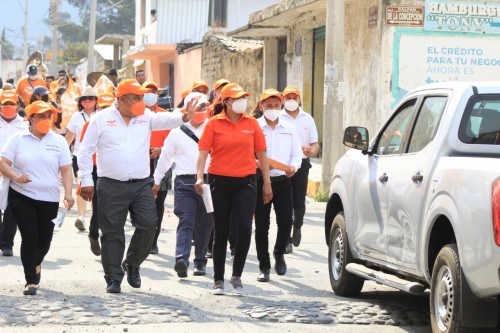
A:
291,90
219,83
151,85
200,83
9,96
130,86
39,107
270,93
184,93
105,100
233,90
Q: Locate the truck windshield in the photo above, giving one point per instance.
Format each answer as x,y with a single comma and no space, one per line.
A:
481,121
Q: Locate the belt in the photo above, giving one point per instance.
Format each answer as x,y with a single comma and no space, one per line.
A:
191,176
278,179
133,180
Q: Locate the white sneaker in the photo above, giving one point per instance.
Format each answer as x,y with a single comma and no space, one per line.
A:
218,288
237,286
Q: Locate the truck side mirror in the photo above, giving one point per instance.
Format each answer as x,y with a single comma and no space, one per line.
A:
356,137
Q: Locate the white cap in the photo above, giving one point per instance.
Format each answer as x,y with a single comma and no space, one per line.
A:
201,98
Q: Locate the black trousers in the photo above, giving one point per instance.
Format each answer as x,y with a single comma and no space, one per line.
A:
34,218
236,196
9,230
161,197
116,199
299,188
94,225
282,202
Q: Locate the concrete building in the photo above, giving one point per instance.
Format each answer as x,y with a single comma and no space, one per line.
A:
169,36
355,59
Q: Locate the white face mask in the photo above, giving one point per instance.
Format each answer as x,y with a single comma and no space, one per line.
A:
240,105
291,105
33,77
272,115
150,99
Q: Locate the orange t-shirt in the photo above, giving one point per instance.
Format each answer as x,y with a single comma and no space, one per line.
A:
232,146
158,137
82,134
25,90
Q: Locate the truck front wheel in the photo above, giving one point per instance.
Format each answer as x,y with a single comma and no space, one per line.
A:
445,292
339,255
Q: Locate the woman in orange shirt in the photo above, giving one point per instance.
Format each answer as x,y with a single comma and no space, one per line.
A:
233,139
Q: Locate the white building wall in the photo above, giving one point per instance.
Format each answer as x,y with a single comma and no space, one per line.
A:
183,21
239,11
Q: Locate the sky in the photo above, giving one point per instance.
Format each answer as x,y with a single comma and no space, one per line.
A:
38,10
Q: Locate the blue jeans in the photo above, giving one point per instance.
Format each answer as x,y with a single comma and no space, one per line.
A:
190,209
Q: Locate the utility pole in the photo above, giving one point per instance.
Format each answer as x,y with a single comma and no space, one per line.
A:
25,48
54,19
90,56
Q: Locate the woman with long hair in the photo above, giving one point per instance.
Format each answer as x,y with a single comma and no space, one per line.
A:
87,106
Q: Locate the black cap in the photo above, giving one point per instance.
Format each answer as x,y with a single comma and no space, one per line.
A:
113,72
32,69
40,90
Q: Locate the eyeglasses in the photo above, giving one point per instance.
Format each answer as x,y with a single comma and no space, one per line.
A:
89,98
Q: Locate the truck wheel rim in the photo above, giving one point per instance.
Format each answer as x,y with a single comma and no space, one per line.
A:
443,298
337,255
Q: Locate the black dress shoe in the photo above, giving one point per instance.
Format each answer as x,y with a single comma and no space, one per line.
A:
154,250
263,276
280,265
296,236
7,252
133,276
289,248
181,267
113,287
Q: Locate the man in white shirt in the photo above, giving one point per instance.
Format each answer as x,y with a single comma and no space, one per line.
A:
120,135
285,157
308,134
181,146
10,123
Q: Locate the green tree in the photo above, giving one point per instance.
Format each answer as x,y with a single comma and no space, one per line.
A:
7,47
73,52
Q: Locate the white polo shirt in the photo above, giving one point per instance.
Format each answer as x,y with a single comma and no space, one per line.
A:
305,126
40,160
183,150
283,145
122,151
75,125
7,129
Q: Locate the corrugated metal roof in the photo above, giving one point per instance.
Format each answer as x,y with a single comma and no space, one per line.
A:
181,21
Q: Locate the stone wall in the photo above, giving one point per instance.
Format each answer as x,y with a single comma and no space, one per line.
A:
236,60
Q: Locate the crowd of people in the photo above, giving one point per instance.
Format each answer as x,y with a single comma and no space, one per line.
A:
122,150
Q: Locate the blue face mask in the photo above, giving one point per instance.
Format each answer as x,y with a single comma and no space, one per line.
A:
150,99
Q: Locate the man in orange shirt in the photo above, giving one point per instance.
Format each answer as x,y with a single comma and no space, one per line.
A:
27,84
155,145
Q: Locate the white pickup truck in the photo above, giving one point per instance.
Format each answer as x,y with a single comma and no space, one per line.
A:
418,206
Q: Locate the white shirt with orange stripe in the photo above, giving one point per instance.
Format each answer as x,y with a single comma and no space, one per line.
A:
305,126
122,151
283,145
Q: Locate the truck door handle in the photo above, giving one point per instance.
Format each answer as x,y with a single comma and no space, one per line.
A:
384,178
417,178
